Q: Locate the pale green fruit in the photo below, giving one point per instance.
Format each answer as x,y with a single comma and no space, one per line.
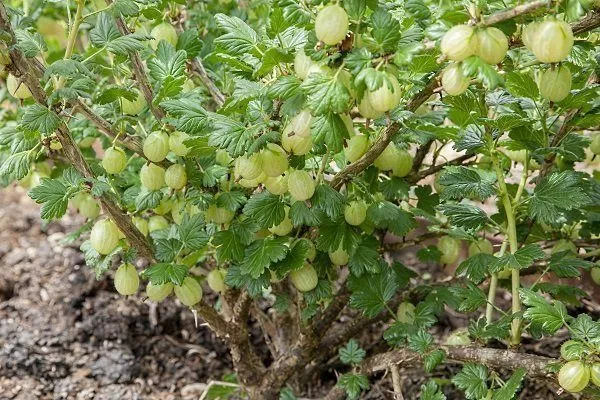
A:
252,183
16,88
595,272
555,83
223,158
176,177
339,257
277,185
165,206
296,144
312,251
157,223
356,147
459,337
219,215
158,293
386,97
156,146
365,108
127,280
529,35
563,245
274,160
134,107
114,160
284,227
189,293
302,64
304,279
406,312
595,374
176,143
88,207
403,164
450,248
459,42
141,224
492,45
595,144
481,246
454,80
216,280
163,31
301,185
553,41
387,159
299,124
249,167
331,24
574,376
152,176
104,237
355,212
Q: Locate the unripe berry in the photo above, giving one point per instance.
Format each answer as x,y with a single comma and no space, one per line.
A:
301,185
406,312
127,280
304,279
387,159
277,185
219,215
459,337
331,25
284,226
16,88
492,45
189,293
134,107
296,144
114,160
356,147
163,31
156,146
158,293
555,83
355,212
481,246
553,41
249,167
529,35
216,280
574,376
302,64
312,251
454,80
386,97
152,176
403,164
223,158
177,145
339,257
299,124
157,223
176,177
252,183
104,237
595,144
141,224
274,160
595,374
450,248
88,207
459,42
165,205
365,108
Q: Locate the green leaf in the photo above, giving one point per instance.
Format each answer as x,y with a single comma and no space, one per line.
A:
38,118
584,328
105,30
330,130
294,260
192,233
191,117
54,196
167,63
30,43
16,166
336,234
430,391
561,191
99,263
301,215
229,247
521,85
229,134
511,386
433,359
265,209
352,354
232,200
476,268
565,264
147,199
159,274
365,258
548,316
189,41
166,249
465,216
272,58
239,37
471,297
261,254
386,215
371,293
523,258
329,200
472,380
325,94
123,45
460,182
386,30
126,8
353,384
475,66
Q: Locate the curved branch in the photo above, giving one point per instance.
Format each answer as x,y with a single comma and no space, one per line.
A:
214,91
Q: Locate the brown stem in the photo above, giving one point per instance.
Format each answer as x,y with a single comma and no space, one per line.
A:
214,91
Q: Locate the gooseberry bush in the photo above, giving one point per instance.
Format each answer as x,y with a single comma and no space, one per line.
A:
276,163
